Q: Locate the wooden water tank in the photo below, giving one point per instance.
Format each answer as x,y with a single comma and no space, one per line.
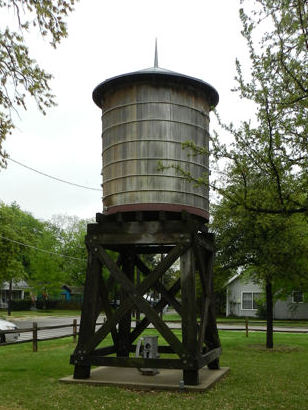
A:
146,117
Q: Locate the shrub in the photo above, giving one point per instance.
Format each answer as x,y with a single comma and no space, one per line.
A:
58,304
22,304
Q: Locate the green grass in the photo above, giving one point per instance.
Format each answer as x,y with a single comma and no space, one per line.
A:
258,379
38,313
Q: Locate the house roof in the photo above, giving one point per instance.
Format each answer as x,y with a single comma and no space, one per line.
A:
19,285
236,276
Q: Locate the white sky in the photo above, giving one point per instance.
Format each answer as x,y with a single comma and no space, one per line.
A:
200,38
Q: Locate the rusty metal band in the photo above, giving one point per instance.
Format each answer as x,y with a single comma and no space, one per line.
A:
157,207
155,190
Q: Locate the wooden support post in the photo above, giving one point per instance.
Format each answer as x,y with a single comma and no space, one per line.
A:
34,337
88,316
74,330
189,317
103,287
211,336
137,284
125,322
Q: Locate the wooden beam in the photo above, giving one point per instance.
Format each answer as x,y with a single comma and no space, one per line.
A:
211,337
206,241
145,233
202,259
88,316
189,315
141,249
141,290
139,301
104,351
128,259
106,305
159,287
209,357
145,321
136,362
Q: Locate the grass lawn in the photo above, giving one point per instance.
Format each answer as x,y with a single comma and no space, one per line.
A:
38,313
258,379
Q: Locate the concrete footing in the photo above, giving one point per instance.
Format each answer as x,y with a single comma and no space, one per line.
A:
166,379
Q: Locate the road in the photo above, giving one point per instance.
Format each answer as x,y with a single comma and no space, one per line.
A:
61,321
48,322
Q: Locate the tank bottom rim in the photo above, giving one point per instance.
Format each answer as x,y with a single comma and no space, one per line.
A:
157,207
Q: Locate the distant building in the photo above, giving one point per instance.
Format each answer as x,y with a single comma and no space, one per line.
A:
71,293
242,297
19,290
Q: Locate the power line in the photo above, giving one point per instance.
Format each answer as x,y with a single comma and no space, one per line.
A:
41,250
52,177
72,183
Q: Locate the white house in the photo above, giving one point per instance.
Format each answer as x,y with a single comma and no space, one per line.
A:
18,292
242,296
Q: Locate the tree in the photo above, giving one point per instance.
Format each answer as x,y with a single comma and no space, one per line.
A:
20,75
71,232
16,228
45,254
264,183
46,263
274,144
271,249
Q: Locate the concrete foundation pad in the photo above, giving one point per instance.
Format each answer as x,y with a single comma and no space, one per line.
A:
166,379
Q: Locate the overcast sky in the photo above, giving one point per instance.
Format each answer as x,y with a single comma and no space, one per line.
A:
200,38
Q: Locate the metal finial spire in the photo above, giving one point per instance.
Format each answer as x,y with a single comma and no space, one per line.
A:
156,55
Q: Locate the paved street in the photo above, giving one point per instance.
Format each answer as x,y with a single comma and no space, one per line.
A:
47,321
61,321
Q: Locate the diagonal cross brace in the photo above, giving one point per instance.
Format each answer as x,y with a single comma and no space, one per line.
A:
159,287
137,297
161,304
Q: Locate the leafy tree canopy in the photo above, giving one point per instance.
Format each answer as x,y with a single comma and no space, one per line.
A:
268,247
16,227
46,254
20,75
266,158
273,146
71,233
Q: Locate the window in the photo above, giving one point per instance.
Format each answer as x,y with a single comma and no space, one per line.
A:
297,297
250,300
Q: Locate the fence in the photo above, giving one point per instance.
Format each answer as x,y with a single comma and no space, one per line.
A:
34,330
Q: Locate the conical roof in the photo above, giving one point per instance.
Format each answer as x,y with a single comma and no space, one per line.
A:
156,74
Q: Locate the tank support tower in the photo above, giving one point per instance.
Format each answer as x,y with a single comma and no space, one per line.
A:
175,236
